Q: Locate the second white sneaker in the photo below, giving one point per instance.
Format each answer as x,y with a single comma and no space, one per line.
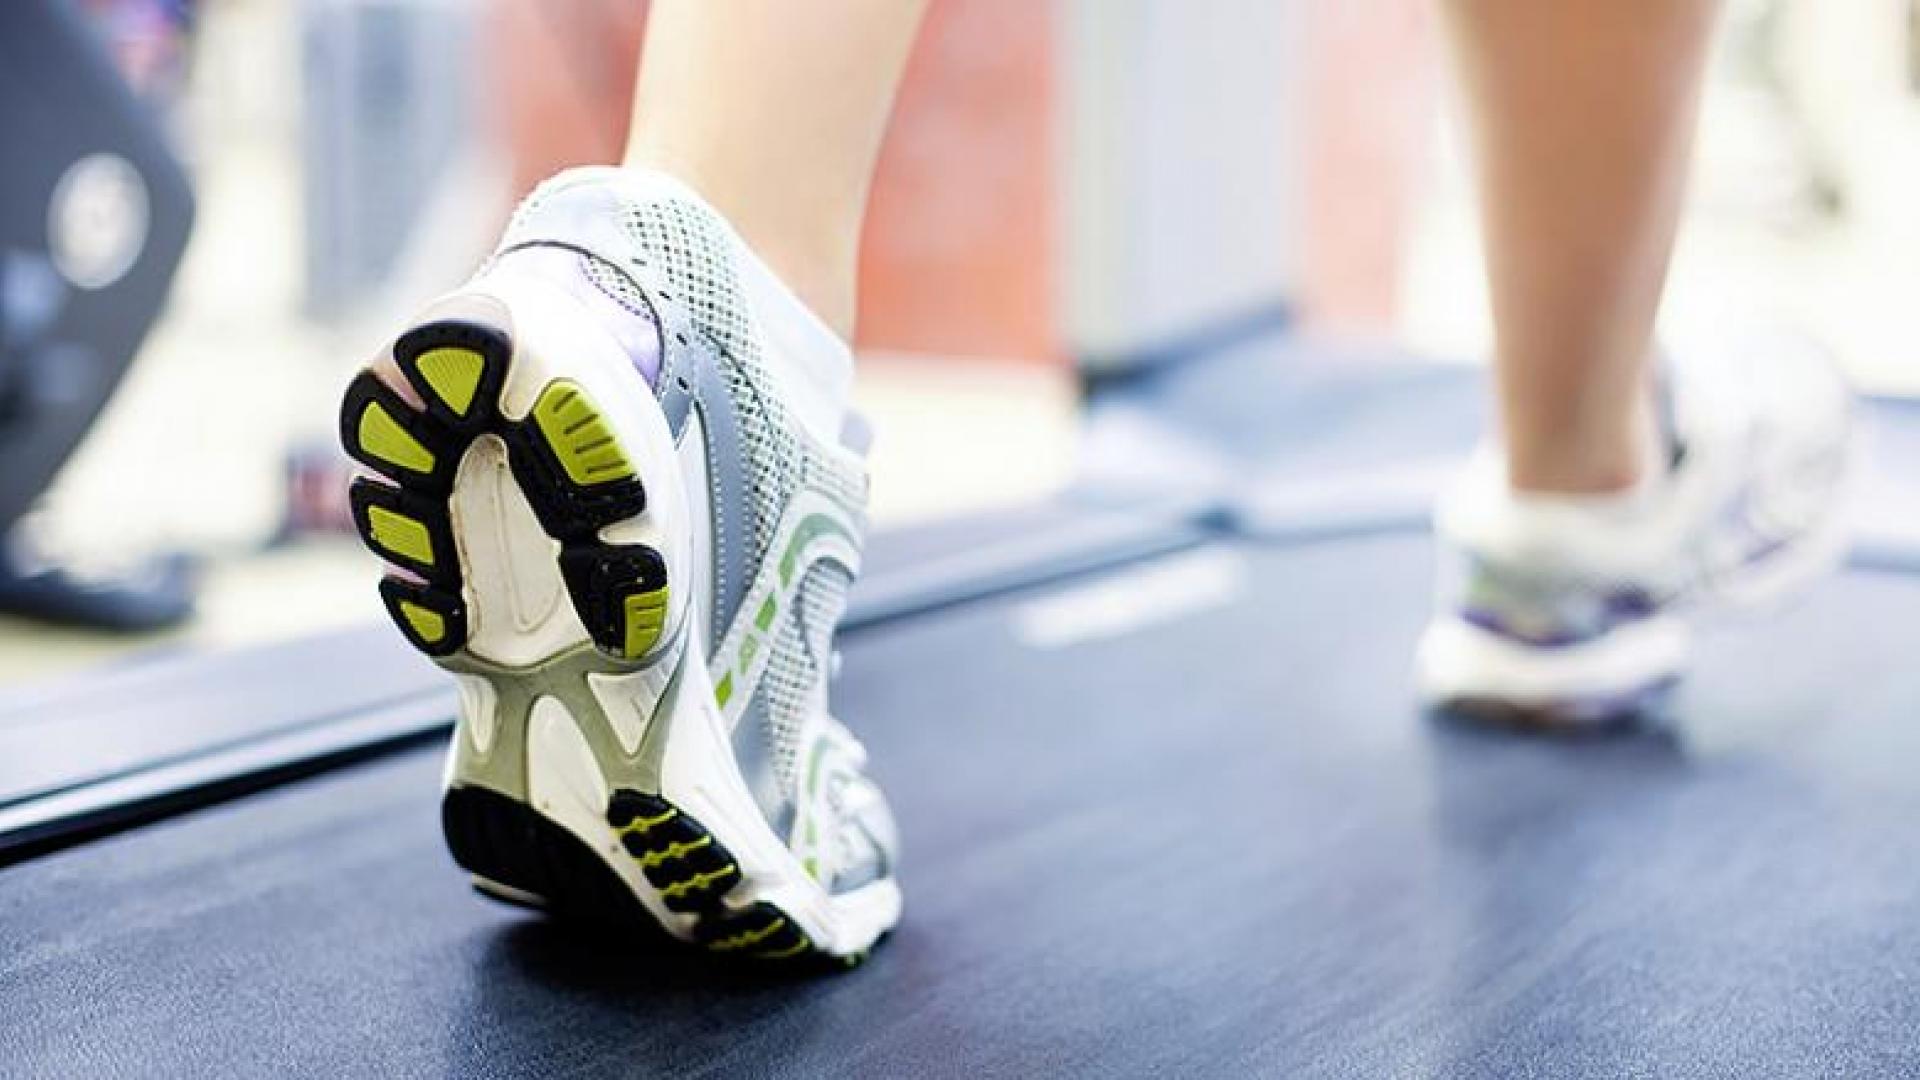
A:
1573,610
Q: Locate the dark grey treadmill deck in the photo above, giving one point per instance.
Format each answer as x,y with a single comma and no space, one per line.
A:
1223,846
170,731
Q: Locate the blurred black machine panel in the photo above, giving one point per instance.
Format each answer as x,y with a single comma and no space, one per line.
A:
94,216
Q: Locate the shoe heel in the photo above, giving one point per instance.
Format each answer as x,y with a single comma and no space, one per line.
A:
454,368
566,457
516,855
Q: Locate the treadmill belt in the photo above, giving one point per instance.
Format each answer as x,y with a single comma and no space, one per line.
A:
84,755
1206,835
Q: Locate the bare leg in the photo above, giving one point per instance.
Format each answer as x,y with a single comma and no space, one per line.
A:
1584,113
773,111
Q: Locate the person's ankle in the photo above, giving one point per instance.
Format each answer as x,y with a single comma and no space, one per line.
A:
824,282
815,257
1573,463
805,321
1568,469
1548,476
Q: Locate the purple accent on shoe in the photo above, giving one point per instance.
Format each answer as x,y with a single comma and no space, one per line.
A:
636,331
1625,606
1492,623
856,433
1760,543
1614,610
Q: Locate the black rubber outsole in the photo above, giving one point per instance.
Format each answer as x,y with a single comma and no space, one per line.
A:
693,873
506,842
564,458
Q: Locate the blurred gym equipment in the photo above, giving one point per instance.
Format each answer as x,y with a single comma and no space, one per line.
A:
94,216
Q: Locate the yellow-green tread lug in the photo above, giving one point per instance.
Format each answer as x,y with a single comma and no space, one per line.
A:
798,947
646,616
759,932
433,619
400,534
644,825
429,624
747,938
580,438
453,374
676,850
699,882
382,437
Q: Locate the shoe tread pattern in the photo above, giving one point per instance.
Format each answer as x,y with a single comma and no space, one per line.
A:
565,458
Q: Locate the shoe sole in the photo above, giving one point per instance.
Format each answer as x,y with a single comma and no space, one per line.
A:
558,795
1466,670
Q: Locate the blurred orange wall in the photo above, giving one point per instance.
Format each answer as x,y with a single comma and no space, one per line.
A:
1371,87
563,82
959,252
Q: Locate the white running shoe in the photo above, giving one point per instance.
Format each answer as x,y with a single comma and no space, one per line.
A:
610,479
1570,611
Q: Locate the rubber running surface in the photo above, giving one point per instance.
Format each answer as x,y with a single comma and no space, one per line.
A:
168,731
1219,844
